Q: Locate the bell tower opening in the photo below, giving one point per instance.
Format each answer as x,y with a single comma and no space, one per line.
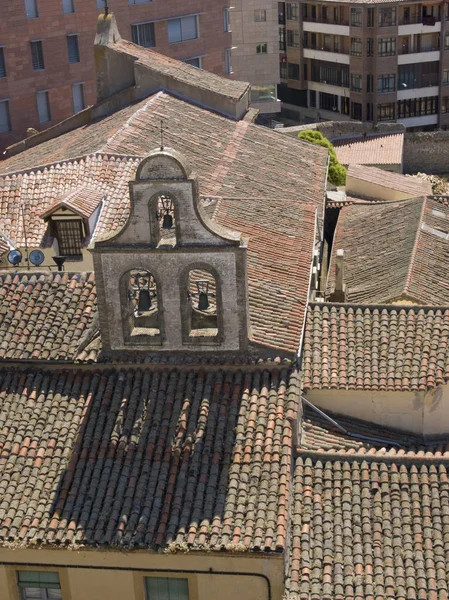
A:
203,304
143,306
165,214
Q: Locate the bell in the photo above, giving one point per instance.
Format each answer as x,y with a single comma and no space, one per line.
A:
203,301
167,222
144,303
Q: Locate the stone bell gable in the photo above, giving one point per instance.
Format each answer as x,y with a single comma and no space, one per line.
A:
171,280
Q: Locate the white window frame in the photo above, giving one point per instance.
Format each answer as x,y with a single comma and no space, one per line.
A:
262,48
181,19
31,9
43,94
79,86
5,102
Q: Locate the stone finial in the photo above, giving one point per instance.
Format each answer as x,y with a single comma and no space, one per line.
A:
107,30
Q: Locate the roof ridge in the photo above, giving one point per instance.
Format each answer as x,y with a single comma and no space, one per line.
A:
129,120
415,247
95,154
413,307
390,456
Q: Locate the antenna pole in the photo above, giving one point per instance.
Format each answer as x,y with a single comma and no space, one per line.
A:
106,8
25,236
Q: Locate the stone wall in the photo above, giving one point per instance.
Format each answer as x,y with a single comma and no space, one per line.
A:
426,152
345,129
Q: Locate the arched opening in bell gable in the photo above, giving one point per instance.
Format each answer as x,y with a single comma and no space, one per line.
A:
203,309
144,318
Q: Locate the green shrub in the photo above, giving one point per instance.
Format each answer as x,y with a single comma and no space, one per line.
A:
337,172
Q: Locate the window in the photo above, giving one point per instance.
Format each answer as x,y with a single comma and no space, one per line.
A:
2,63
195,62
328,102
143,35
39,585
446,77
5,123
292,38
369,83
37,56
181,30
293,71
446,11
427,42
164,588
387,46
356,47
387,16
101,4
369,111
418,75
73,49
330,73
138,1
69,234
78,97
312,99
445,104
385,112
226,20
31,9
260,15
356,83
370,17
356,17
282,46
283,70
43,107
356,111
370,47
386,83
446,41
68,7
292,11
417,107
262,48
228,65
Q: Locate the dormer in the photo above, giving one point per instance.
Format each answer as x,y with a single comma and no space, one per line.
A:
72,219
171,280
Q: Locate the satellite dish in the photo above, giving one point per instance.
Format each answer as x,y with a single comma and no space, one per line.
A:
14,257
37,257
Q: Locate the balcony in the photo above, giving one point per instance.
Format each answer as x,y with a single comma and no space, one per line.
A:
328,55
319,25
416,23
418,56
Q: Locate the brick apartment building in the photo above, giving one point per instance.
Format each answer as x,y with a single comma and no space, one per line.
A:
367,61
47,69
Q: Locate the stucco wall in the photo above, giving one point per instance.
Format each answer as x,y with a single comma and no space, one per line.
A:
97,575
425,413
365,189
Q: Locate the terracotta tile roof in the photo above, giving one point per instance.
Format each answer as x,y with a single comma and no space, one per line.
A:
394,348
46,316
82,201
375,150
394,250
183,72
414,186
139,458
368,522
278,271
231,158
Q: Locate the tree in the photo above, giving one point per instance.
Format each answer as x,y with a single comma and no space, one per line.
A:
337,172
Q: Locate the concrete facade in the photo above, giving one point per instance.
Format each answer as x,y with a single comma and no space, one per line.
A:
255,54
367,62
20,85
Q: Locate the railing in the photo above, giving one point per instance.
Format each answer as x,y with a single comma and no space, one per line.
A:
429,20
325,48
416,18
310,19
409,50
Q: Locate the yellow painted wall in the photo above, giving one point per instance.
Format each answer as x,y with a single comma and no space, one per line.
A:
120,576
425,413
357,187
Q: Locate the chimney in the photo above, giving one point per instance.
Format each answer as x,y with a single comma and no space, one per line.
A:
339,293
114,70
